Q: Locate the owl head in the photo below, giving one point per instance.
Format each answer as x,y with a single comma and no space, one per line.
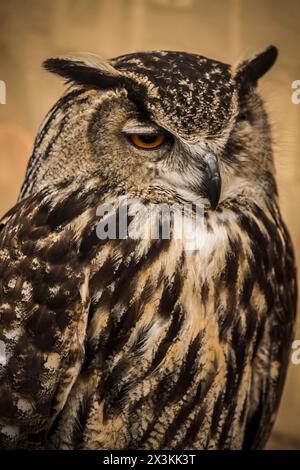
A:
164,125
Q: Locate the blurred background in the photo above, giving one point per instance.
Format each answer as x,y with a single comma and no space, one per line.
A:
227,30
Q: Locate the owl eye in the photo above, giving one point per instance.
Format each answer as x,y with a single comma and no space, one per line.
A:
147,141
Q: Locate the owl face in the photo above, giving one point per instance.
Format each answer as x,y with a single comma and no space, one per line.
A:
146,159
164,125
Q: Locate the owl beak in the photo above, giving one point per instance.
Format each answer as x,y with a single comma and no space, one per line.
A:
212,180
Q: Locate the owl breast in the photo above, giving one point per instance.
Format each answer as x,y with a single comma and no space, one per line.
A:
168,326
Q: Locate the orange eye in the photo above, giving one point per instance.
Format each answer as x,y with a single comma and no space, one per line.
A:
147,141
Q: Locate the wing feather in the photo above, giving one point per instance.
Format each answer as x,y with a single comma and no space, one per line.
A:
42,320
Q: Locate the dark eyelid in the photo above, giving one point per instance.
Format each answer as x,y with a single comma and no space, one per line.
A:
148,131
144,126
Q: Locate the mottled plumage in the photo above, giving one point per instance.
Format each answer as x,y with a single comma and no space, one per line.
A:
142,343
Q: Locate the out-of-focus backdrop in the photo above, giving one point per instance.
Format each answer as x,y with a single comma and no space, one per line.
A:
227,30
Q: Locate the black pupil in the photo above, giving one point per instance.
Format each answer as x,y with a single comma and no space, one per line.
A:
148,138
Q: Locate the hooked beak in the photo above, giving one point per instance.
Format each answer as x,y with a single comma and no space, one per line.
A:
212,180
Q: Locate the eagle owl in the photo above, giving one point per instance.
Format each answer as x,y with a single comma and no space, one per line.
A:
141,342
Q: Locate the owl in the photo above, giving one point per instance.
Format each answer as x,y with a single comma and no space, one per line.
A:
138,341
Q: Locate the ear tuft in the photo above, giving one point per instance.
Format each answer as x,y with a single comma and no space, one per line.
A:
251,70
87,71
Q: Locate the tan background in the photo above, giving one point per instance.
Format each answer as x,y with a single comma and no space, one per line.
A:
228,30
